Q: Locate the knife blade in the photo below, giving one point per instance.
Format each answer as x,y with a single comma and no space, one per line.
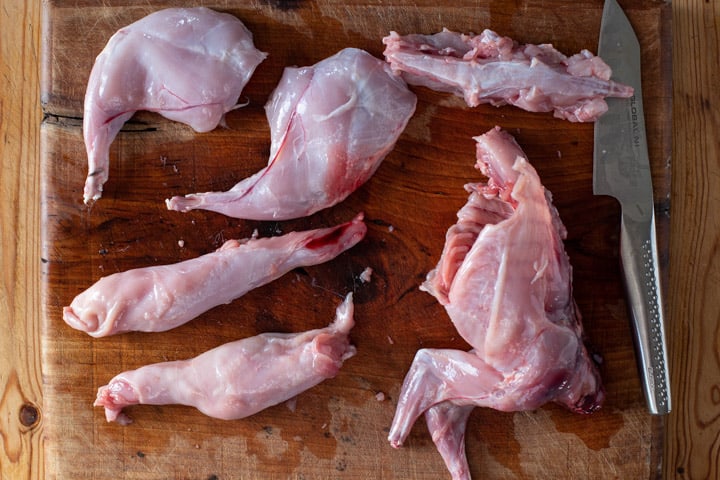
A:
621,169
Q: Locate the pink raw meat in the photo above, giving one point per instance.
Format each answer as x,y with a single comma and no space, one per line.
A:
240,378
187,64
155,299
506,283
446,423
331,126
488,68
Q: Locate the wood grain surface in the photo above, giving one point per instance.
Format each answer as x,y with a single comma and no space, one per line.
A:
692,442
21,412
339,427
691,450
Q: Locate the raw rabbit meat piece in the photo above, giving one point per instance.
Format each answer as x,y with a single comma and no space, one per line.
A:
489,68
187,64
158,298
331,125
505,281
447,423
240,378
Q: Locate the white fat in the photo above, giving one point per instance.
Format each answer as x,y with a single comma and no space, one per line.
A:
539,266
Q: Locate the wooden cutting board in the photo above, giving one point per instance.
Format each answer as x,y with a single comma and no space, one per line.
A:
339,428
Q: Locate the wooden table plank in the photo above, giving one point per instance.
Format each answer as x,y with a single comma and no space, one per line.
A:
692,446
21,413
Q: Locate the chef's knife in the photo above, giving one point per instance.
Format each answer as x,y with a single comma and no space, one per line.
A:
621,168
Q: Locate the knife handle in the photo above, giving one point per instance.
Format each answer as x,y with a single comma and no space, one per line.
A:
638,250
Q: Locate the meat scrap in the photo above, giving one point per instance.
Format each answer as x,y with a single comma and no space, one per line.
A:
505,281
331,125
366,275
489,68
158,298
187,64
237,379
